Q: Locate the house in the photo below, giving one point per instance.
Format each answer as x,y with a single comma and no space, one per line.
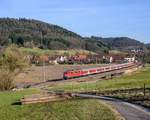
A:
129,59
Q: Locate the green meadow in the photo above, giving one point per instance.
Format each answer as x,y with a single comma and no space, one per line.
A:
75,109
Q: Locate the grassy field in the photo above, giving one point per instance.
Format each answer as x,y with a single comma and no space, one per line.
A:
76,109
37,51
116,52
134,80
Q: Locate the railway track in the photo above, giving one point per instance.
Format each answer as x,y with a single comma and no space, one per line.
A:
104,75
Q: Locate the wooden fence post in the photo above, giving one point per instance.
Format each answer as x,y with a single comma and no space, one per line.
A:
144,89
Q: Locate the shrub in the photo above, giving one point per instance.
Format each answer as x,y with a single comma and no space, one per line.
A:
6,80
12,62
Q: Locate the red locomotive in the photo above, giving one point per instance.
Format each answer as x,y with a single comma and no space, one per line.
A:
84,72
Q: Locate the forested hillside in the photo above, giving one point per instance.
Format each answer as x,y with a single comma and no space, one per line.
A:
31,33
34,33
148,46
121,43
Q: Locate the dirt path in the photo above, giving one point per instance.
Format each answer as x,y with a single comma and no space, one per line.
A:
127,110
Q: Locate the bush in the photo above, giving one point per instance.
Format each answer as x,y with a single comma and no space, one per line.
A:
12,63
6,80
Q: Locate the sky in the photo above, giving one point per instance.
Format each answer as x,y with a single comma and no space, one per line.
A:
103,18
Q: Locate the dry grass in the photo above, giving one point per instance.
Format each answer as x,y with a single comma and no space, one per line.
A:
35,74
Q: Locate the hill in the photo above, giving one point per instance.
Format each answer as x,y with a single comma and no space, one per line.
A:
148,46
96,45
33,33
122,43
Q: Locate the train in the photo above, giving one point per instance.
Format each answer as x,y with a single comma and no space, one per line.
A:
97,70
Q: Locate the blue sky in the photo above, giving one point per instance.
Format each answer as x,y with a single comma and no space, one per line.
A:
105,18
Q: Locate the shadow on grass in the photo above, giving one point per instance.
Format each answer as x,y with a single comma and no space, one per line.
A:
16,103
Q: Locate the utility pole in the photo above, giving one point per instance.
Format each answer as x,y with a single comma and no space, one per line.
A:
44,71
43,60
